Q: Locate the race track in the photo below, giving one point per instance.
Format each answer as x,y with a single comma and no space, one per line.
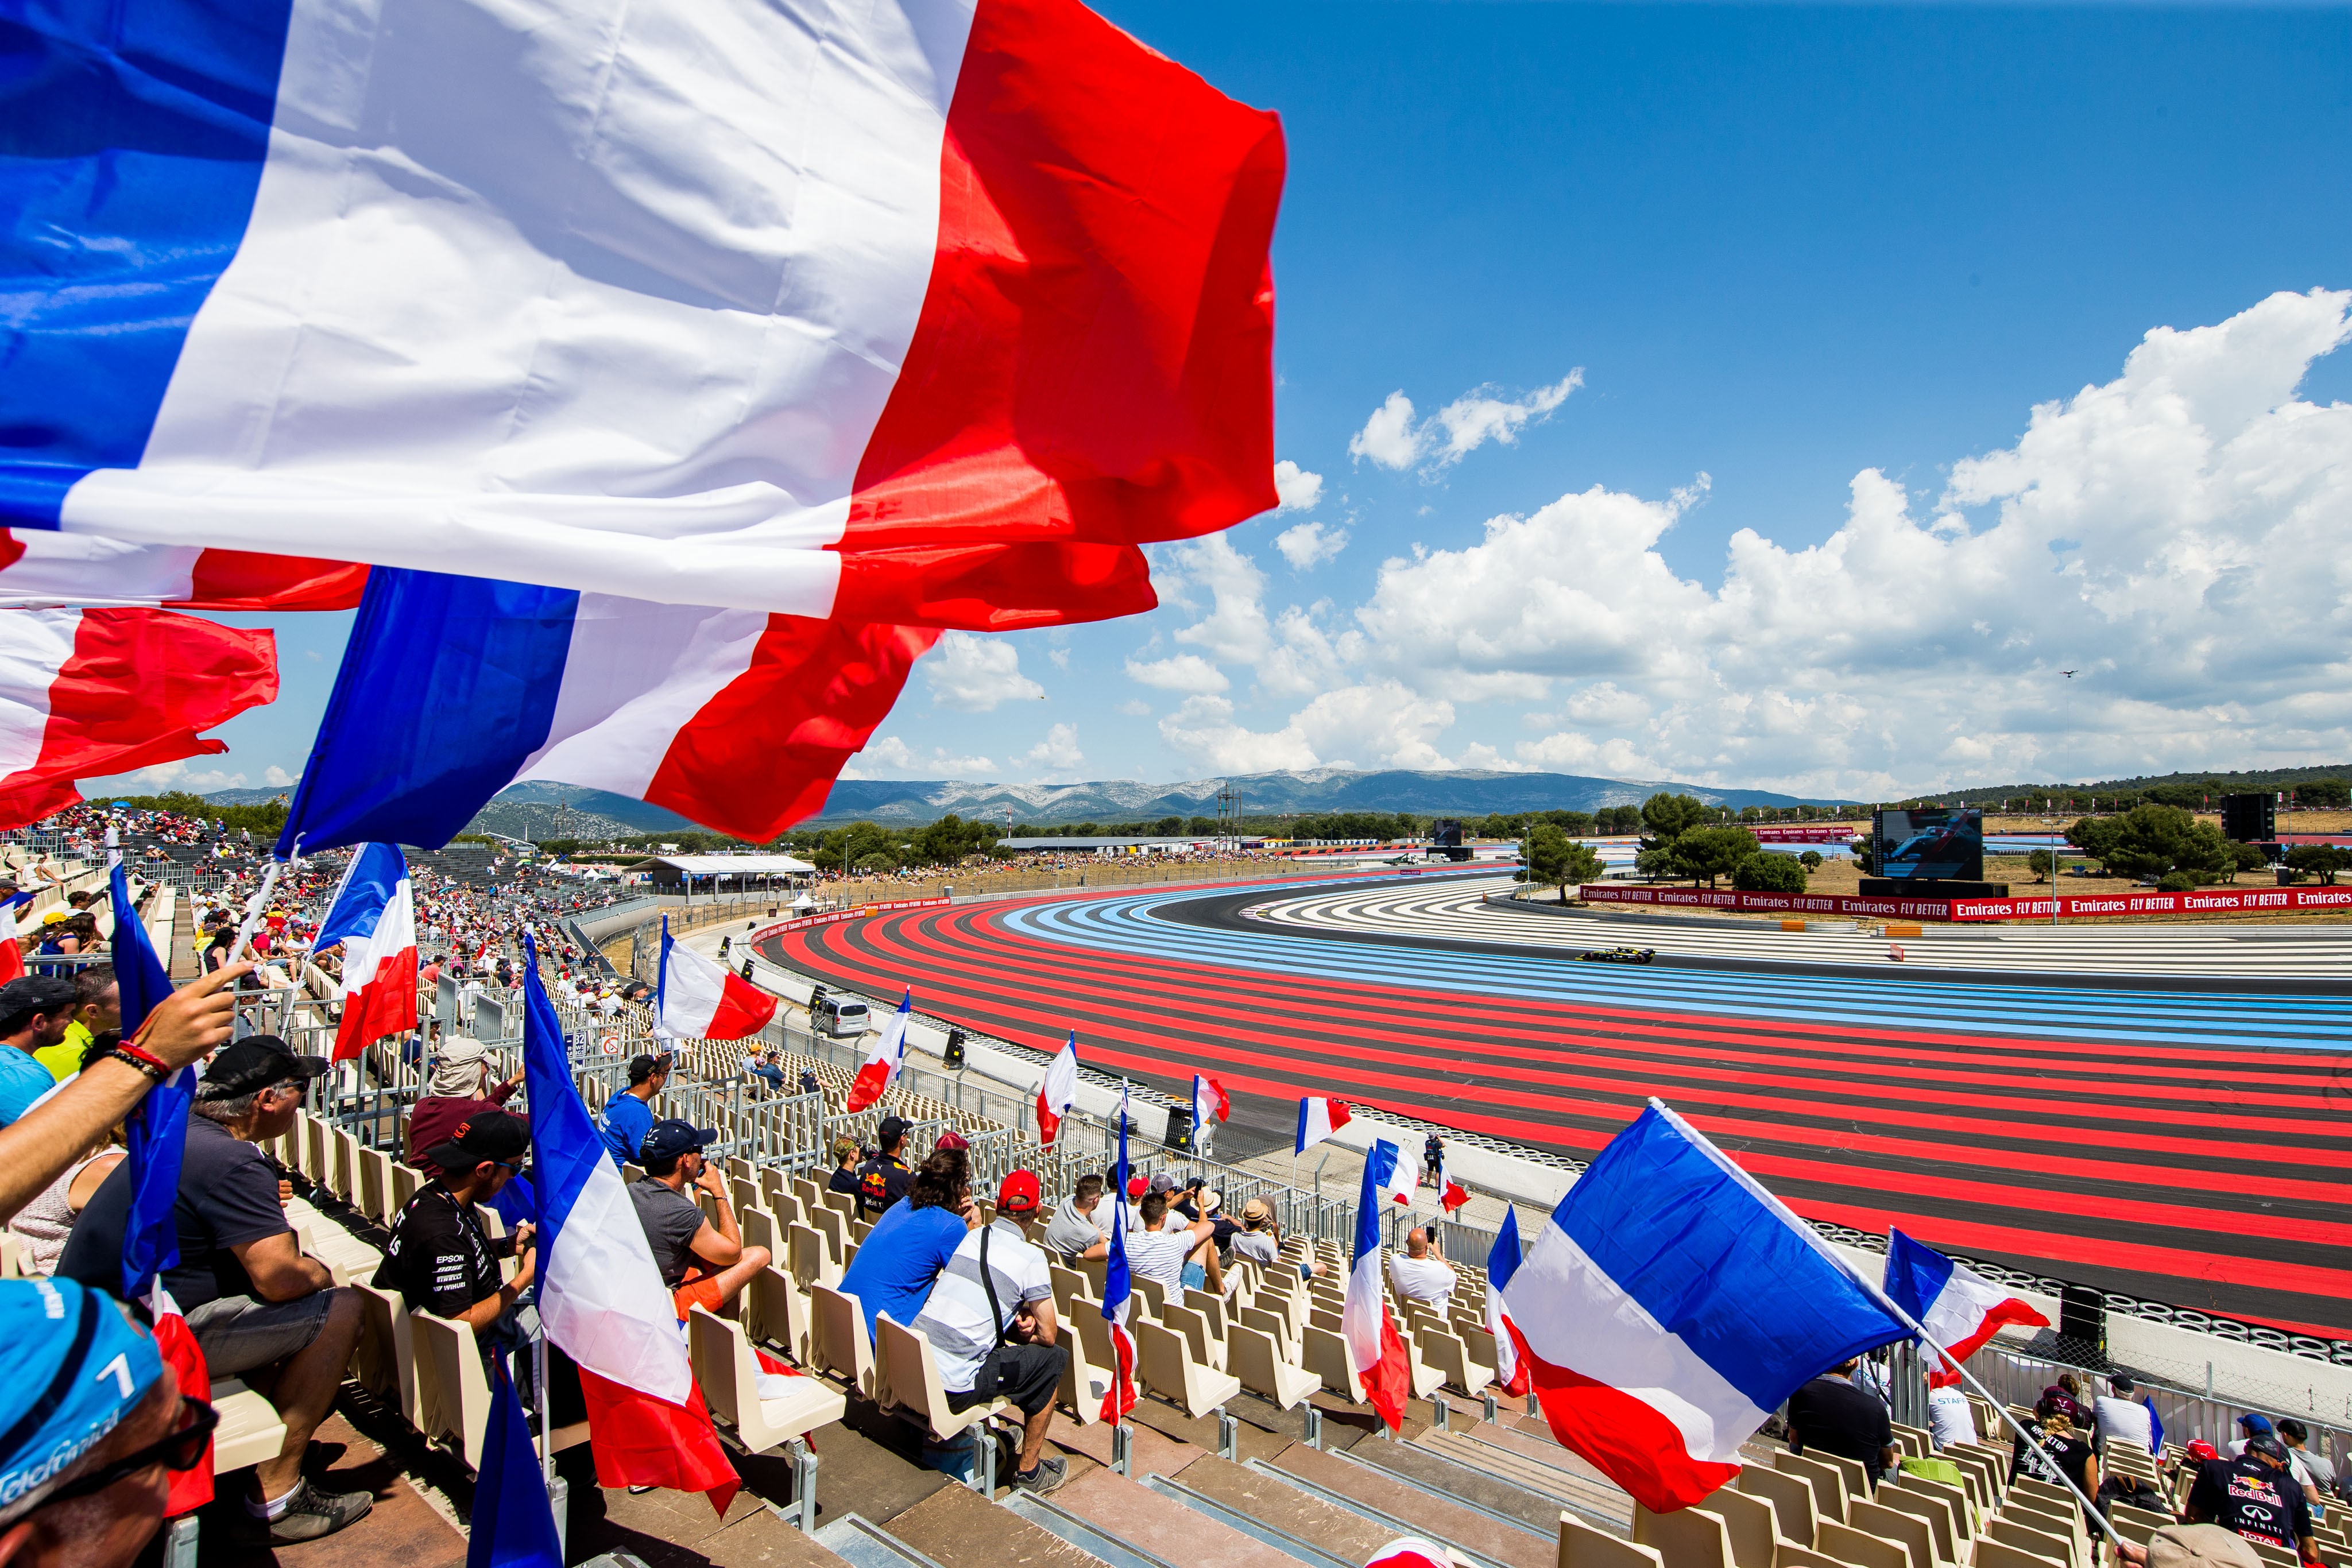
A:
2176,1139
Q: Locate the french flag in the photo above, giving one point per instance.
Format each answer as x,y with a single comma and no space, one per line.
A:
12,951
1959,1308
698,998
884,1061
1411,1552
1317,1119
1452,1196
85,692
1060,1092
1118,1291
1671,1304
40,569
373,916
1376,1354
600,1295
1502,1262
1210,1105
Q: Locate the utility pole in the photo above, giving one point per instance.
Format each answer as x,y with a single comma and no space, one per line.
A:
2068,757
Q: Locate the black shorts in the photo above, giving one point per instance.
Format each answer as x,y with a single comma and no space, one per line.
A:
1027,1375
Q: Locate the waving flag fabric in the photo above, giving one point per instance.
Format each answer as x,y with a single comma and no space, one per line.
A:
1502,1262
927,306
12,951
1451,1195
1118,1290
1210,1104
1060,1092
513,1522
1410,1552
884,1061
373,916
90,692
600,1295
1376,1352
39,569
1317,1119
1959,1308
155,1134
701,999
454,688
1671,1304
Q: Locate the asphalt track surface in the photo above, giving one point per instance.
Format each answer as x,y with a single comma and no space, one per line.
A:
2184,1145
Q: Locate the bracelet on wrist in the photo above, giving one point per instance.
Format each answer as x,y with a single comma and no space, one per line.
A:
148,1065
156,1067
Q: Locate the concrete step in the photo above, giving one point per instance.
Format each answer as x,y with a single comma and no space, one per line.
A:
956,1528
1611,1508
1451,1477
1445,1516
1266,1496
1163,1527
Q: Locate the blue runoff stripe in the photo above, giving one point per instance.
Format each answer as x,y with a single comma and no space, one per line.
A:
2116,1013
447,686
1716,1267
131,143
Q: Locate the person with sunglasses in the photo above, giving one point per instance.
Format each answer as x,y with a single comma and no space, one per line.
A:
440,1259
92,1425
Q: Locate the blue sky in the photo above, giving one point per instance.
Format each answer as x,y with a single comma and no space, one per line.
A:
1784,246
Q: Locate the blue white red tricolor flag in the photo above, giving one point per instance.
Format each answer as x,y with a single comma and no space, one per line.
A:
600,1294
373,916
1671,1304
12,952
1959,1308
1210,1105
1118,1287
884,1060
1376,1352
1451,1195
701,999
1318,1118
1060,1092
1502,1262
1410,1552
512,1524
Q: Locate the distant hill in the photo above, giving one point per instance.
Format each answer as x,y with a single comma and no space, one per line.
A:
2211,783
1287,793
251,797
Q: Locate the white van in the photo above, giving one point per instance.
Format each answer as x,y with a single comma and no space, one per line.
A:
840,1016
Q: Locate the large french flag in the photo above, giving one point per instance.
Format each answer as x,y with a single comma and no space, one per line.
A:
1060,1092
698,998
1318,1118
1376,1352
1671,1304
85,692
600,1295
885,1061
915,312
1959,1308
373,916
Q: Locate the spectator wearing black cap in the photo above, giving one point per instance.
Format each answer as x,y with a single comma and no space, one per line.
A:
1833,1416
884,1179
629,1115
440,1259
704,1263
257,1308
2120,1419
36,1011
2255,1495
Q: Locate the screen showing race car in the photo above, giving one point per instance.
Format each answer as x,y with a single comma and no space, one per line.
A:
1940,845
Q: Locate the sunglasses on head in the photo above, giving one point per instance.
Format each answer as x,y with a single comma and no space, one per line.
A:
182,1450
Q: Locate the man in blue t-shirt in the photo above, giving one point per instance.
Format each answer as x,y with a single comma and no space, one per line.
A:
902,1256
629,1115
36,1011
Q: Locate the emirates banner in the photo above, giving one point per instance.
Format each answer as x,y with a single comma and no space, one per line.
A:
2204,901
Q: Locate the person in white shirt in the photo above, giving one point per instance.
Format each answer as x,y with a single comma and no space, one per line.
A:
1950,1417
1422,1274
2118,1417
1160,1250
1007,1349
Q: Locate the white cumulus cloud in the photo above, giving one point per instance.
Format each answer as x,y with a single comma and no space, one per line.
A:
196,781
1299,489
888,757
1058,753
975,673
1391,438
1184,673
1306,545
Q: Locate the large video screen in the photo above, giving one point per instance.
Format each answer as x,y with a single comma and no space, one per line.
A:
1943,845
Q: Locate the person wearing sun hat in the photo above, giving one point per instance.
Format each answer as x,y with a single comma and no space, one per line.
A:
91,1426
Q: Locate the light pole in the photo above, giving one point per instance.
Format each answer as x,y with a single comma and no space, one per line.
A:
2067,756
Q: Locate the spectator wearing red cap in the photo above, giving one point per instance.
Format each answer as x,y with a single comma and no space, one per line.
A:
991,1326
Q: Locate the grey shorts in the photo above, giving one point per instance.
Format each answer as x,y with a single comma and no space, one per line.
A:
238,1333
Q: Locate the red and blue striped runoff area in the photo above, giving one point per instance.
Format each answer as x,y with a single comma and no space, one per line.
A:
2185,1145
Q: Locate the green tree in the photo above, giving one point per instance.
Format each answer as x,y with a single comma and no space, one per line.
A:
2244,857
2323,861
1202,827
1557,859
1712,852
2324,794
1764,871
1811,860
2153,839
2042,864
1617,820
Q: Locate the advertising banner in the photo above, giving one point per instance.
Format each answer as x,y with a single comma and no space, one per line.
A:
2204,901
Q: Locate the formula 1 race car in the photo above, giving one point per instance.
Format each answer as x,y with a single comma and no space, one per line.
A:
1617,954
